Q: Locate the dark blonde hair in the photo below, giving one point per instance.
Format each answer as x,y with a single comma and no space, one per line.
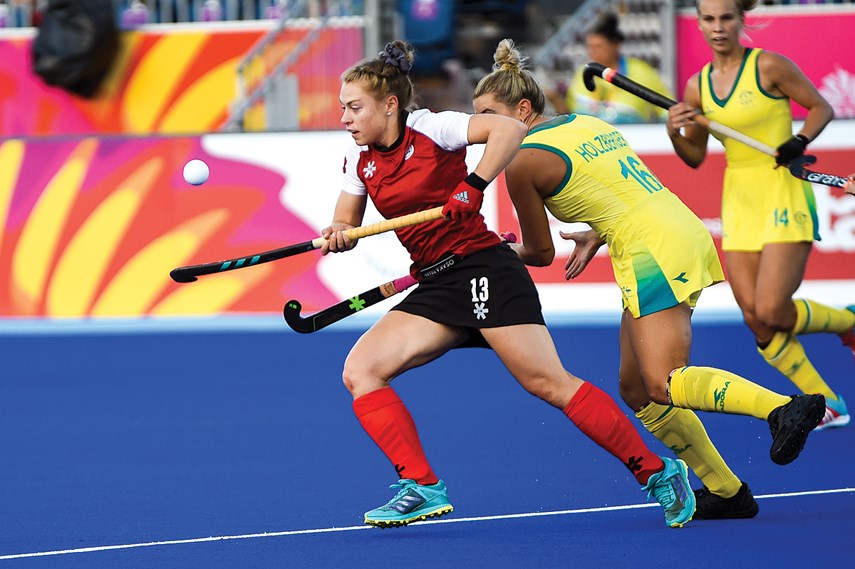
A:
510,82
742,6
387,74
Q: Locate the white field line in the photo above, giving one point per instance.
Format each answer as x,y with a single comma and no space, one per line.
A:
363,527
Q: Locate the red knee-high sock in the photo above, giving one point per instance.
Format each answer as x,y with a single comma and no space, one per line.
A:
389,424
598,416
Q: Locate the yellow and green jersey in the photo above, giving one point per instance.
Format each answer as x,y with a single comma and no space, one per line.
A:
761,204
662,254
748,109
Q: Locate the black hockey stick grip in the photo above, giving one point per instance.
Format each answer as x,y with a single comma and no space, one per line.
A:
593,69
797,168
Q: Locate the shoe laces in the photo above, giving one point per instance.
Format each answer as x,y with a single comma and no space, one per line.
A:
403,487
663,491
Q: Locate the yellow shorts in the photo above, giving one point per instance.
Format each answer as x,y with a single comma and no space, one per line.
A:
761,204
662,256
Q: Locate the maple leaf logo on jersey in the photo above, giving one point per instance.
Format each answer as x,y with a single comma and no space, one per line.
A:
369,170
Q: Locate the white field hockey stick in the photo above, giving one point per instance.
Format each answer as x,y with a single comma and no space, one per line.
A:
796,167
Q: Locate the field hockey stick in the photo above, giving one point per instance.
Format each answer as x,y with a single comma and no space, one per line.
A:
189,274
797,168
608,74
343,309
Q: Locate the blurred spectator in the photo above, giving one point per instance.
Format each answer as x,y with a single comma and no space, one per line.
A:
603,41
210,11
429,26
135,15
21,13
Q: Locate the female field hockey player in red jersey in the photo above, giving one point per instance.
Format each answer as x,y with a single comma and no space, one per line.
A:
768,217
473,290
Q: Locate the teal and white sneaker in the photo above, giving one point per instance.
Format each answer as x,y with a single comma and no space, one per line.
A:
836,414
412,503
671,488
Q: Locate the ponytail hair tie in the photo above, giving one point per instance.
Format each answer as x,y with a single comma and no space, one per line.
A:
396,57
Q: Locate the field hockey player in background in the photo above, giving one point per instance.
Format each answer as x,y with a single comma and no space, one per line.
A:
768,217
603,41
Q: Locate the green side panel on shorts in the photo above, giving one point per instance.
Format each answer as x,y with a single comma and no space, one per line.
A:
654,292
810,198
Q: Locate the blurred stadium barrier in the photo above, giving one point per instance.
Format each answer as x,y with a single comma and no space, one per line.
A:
280,78
27,13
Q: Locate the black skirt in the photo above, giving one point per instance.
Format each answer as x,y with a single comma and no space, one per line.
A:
488,289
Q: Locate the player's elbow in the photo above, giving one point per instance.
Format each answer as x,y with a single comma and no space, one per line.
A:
520,129
693,161
539,258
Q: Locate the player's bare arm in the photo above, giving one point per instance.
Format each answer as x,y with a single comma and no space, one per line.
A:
502,135
349,210
781,77
587,244
688,138
525,177
849,188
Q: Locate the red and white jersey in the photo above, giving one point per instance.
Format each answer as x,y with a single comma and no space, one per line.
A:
418,173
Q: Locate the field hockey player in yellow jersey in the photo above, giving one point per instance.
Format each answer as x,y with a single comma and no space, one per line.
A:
582,170
768,216
603,41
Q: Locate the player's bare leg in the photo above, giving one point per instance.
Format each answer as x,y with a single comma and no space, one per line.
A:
723,495
528,352
396,343
764,284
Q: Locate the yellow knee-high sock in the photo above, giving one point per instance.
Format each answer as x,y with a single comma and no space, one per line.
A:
813,317
682,432
711,389
786,354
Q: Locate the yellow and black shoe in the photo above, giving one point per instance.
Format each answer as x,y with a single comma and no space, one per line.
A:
791,424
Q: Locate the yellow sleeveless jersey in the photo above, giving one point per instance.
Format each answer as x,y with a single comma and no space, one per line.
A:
662,254
748,109
761,204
